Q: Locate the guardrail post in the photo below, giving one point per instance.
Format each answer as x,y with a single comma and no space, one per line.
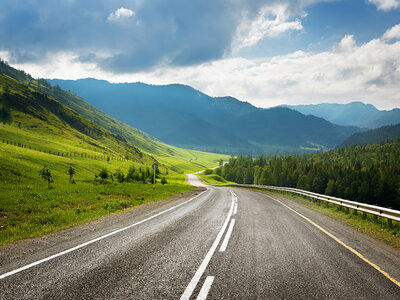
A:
364,215
390,223
347,210
375,218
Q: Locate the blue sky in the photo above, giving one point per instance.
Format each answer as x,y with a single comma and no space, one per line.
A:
265,52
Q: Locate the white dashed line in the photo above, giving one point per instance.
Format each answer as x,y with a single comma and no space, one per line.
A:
227,236
193,283
206,288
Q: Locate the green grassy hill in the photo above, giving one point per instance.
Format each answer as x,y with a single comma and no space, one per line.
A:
178,159
43,132
37,132
48,125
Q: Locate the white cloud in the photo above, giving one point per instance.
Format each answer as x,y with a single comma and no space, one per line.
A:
272,21
369,72
386,5
120,13
347,43
392,33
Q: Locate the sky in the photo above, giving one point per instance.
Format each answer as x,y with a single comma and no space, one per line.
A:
265,52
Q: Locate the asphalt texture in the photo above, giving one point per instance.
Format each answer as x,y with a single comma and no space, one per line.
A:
272,253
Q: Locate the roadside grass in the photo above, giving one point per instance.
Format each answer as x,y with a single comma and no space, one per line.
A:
190,161
28,207
214,179
377,229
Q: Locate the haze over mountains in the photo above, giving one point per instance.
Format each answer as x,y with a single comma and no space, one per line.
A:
351,114
182,116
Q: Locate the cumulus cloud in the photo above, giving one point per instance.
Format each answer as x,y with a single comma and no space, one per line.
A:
368,72
386,5
347,43
120,13
149,34
272,21
392,33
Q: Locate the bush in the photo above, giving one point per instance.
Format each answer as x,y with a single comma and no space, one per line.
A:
46,175
208,172
104,174
119,175
163,181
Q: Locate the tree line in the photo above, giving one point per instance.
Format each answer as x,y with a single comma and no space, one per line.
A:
368,174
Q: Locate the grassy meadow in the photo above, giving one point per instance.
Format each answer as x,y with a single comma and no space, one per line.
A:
29,207
44,134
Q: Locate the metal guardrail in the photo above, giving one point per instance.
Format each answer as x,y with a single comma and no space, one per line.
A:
388,213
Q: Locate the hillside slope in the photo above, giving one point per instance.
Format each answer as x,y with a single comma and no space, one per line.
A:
48,124
183,116
351,114
373,136
181,160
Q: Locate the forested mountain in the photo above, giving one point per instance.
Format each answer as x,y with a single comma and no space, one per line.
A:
182,116
351,114
373,136
369,174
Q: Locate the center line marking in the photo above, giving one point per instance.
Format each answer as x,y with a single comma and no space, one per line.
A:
235,208
206,288
193,283
227,236
96,239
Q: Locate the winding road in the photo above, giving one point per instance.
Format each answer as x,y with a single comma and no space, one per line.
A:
219,243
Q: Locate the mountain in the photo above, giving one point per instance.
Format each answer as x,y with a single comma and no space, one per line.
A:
49,125
351,114
373,136
176,114
185,117
178,159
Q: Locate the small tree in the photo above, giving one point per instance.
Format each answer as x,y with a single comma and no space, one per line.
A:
208,172
5,112
163,181
119,175
71,173
46,175
103,173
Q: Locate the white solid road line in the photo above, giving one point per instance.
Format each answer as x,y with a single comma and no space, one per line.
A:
193,283
94,240
205,288
235,208
227,236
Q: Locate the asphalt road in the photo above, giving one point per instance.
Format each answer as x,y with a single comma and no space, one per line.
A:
223,243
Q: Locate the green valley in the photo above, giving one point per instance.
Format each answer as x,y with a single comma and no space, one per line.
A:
111,167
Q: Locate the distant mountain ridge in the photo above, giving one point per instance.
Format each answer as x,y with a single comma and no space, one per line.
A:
185,117
373,136
351,114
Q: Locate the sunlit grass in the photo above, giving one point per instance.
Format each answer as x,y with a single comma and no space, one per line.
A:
28,207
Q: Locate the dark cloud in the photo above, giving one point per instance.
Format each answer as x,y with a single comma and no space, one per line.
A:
175,32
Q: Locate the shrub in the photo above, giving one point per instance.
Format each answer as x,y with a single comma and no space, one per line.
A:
46,175
71,172
119,175
208,172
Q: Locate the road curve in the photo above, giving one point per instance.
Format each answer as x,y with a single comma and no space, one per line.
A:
225,243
